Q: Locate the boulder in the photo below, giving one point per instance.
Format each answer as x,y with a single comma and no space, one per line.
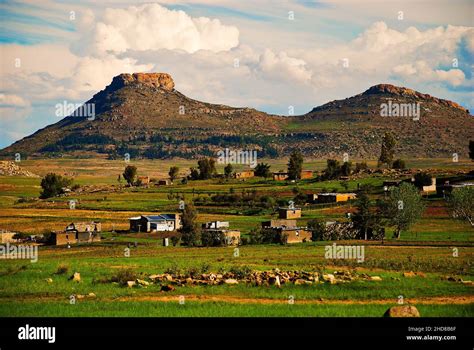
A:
402,311
131,284
167,288
76,277
231,281
143,283
49,280
329,278
375,278
409,274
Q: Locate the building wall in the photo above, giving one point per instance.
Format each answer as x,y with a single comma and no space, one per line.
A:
232,237
289,213
297,236
65,238
306,174
7,237
343,197
245,174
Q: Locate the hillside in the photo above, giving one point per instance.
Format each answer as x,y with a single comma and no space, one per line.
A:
142,114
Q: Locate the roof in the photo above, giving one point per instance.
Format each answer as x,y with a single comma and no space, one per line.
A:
334,194
161,217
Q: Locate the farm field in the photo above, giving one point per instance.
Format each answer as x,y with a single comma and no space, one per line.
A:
437,282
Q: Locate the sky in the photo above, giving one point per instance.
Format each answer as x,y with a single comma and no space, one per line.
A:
264,54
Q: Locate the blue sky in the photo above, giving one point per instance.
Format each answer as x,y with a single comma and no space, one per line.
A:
289,53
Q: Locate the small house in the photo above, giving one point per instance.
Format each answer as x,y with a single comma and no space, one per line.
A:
247,174
82,227
330,197
231,237
164,182
155,223
289,213
279,223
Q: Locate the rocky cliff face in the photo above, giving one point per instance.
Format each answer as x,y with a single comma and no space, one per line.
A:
405,92
156,80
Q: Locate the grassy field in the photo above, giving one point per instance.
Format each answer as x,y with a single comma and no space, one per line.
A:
24,291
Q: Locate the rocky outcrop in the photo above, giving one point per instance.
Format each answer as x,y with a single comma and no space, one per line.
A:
402,311
156,80
405,92
8,168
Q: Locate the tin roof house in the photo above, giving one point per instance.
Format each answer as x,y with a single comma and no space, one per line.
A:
155,223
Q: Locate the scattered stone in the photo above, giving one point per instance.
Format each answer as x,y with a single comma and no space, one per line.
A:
143,283
409,274
167,288
91,295
231,281
329,278
402,311
131,284
49,280
375,278
76,277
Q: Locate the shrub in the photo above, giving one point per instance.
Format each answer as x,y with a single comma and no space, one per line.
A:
53,185
399,164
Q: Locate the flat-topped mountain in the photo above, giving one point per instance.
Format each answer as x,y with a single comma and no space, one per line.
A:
142,114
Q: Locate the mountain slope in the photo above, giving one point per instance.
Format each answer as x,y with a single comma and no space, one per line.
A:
142,114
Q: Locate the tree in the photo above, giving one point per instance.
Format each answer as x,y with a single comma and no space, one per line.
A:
295,165
173,173
361,167
53,185
461,203
228,169
346,169
189,230
332,170
263,170
388,149
194,174
403,207
471,149
366,219
317,228
207,168
129,174
399,164
422,179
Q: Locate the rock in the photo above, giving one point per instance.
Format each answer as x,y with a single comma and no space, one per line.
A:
329,278
91,295
421,274
231,281
143,283
402,311
375,278
80,296
167,288
158,80
300,282
277,281
131,284
168,277
409,274
155,277
189,280
49,280
467,282
76,277
9,168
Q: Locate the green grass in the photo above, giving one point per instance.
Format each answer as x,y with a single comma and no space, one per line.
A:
213,309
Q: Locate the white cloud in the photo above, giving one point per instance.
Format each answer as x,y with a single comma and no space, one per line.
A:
283,67
9,100
152,27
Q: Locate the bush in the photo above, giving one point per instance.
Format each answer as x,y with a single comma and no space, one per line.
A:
240,272
359,167
399,164
53,185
